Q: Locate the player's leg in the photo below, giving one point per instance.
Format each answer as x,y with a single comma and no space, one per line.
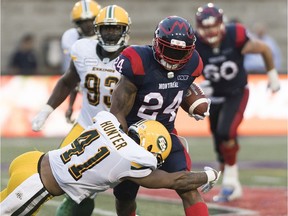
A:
178,160
125,198
25,192
69,207
72,135
231,117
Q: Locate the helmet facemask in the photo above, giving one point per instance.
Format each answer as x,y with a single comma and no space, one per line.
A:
173,55
173,42
210,25
112,26
112,37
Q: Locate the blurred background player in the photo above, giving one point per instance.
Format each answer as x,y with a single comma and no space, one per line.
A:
222,49
93,66
153,83
80,169
82,15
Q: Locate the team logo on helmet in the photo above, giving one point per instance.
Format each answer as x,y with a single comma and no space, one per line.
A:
162,143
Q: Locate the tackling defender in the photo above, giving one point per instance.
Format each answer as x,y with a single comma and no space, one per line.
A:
153,83
80,168
222,49
93,66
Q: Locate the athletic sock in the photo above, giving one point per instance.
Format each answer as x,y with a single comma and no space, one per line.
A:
198,209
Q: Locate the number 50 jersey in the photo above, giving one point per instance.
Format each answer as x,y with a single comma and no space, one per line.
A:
98,79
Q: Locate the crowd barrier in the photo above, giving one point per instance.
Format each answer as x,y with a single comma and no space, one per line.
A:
23,96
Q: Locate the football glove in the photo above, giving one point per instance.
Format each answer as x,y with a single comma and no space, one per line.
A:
68,115
212,176
273,80
207,113
207,88
40,118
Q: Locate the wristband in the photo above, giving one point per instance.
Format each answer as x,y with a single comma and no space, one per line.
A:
273,75
47,108
210,175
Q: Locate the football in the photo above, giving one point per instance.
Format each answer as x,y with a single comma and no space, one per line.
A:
195,101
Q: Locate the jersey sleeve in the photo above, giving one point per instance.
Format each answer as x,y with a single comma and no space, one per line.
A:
241,35
198,71
130,65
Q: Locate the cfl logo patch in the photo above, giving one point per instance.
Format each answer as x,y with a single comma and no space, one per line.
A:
162,143
182,77
19,195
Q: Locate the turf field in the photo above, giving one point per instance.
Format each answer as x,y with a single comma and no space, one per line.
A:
262,163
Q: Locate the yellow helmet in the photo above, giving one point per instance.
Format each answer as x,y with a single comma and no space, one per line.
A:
85,9
152,136
116,18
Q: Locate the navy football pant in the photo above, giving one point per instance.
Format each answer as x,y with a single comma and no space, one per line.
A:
225,118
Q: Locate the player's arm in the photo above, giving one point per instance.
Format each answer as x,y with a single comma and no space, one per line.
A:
123,98
183,180
257,46
60,92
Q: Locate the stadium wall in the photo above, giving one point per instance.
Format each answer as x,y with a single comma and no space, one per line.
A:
50,18
23,96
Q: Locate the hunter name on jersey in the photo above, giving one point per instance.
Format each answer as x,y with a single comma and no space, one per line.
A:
113,134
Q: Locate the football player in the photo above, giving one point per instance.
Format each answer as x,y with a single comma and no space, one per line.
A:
153,83
93,66
80,168
82,15
222,48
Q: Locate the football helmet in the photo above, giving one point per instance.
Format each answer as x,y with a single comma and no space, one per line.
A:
152,136
85,9
112,26
173,42
210,25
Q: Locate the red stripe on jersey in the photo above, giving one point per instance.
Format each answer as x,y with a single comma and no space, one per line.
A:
239,115
135,60
240,35
198,71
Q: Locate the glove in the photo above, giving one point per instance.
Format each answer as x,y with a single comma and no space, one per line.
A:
273,80
207,113
213,177
68,115
41,117
207,88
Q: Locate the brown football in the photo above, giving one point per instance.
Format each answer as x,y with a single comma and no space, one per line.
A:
195,101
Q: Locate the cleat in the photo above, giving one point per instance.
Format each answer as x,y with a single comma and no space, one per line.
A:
231,187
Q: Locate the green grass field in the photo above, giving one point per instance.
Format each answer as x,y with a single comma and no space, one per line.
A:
262,162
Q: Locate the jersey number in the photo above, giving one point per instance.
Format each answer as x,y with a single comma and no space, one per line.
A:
78,147
228,70
152,109
92,84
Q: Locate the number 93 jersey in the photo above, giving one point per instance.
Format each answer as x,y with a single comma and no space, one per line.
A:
224,67
98,79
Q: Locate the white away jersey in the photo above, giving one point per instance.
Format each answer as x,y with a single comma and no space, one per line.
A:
68,39
98,79
98,159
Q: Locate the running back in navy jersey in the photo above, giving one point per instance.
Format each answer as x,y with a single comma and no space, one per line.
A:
224,67
158,96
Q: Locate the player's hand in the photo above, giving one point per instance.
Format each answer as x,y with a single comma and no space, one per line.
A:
68,115
273,80
40,118
213,177
207,88
205,114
